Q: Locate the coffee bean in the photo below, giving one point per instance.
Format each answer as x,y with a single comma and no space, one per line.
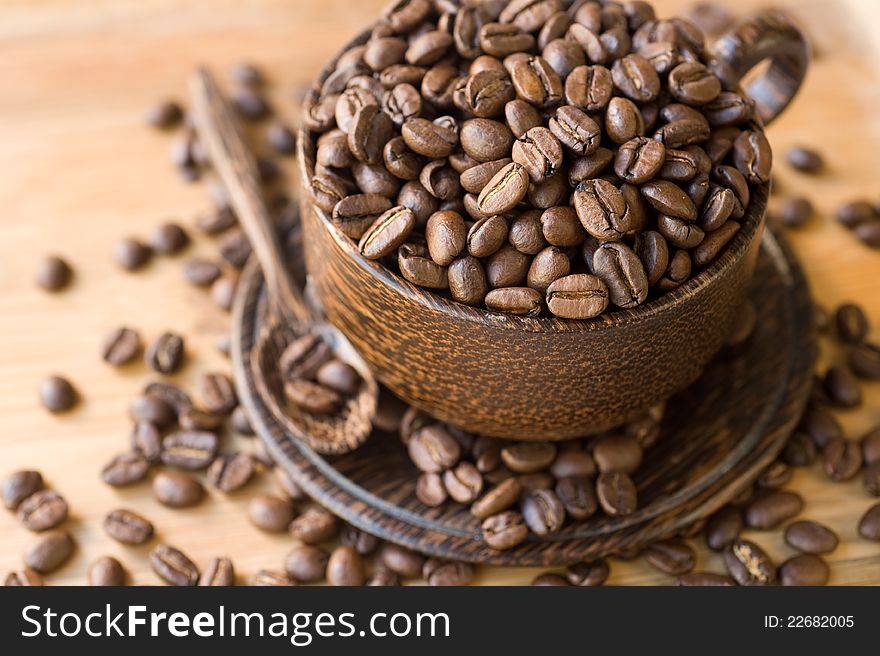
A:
196,420
131,254
166,354
805,569
671,557
153,410
467,281
251,104
543,512
231,472
841,459
49,551
505,190
852,323
463,482
799,451
57,394
164,115
433,450
639,159
202,273
853,214
53,273
219,572
795,212
753,156
177,489
811,537
842,386
617,453
128,527
602,210
498,499
616,493
550,579
307,564
430,490
446,234
804,159
522,301
125,469
190,450
871,479
864,360
636,78
169,239
773,509
693,84
42,510
362,542
304,357
173,567
23,578
216,393
748,564
505,530
528,457
869,524
271,578
121,346
345,568
871,446
705,579
281,138
869,233
775,476
315,525
20,485
723,528
408,564
106,571
821,426
387,233
577,495
588,574
621,270
575,130
447,573
270,513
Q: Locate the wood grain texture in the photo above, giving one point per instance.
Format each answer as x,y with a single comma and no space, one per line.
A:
80,170
718,435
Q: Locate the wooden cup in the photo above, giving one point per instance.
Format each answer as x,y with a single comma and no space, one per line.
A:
547,378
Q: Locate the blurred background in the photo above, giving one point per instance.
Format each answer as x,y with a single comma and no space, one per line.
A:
79,169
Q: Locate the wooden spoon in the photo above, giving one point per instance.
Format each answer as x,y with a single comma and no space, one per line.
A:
289,315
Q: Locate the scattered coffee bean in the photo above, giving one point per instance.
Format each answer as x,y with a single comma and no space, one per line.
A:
804,569
811,537
128,527
57,394
447,573
281,138
131,254
49,551
616,493
270,513
748,564
219,572
106,571
550,579
723,528
704,579
231,472
23,578
587,575
169,239
842,459
190,450
869,524
795,212
400,560
173,567
53,273
864,360
315,525
42,510
177,489
121,346
345,567
843,387
166,354
216,393
20,485
852,323
125,469
771,510
152,409
307,564
671,557
805,159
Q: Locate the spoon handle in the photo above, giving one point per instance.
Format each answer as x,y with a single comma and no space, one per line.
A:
219,130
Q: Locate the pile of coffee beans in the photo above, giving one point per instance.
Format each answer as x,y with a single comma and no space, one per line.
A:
315,380
535,155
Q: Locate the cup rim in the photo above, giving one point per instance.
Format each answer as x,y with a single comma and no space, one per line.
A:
751,224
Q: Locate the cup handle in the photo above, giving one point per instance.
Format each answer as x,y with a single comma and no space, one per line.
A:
773,36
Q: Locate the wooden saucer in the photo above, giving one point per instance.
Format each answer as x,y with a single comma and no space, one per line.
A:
719,435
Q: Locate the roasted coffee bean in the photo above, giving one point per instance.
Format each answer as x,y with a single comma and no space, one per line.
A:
131,254
20,485
223,290
550,579
371,128
588,575
623,121
304,357
57,394
771,510
153,410
433,450
504,530
748,564
864,360
164,115
540,152
710,245
387,233
53,273
467,281
446,235
621,270
216,393
561,227
354,215
191,450
312,397
177,489
271,578
407,564
805,569
463,482
166,354
573,462
723,528
125,469
811,537
869,233
549,265
602,210
42,510
486,140
106,571
121,346
636,78
507,267
841,459
270,513
250,103
621,453
842,386
541,480
775,476
693,84
345,567
671,557
653,253
23,578
128,527
522,301
795,212
869,524
173,567
231,472
315,525
804,159
498,499
752,156
704,579
447,573
616,493
505,190
590,42
525,233
589,88
219,572
339,376
639,160
307,564
871,446
49,551
799,451
536,82
169,239
429,138
235,248
669,199
852,323
486,236
193,419
475,178
528,457
543,512
577,495
821,426
854,214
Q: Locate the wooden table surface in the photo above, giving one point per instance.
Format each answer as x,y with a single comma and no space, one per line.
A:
80,169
